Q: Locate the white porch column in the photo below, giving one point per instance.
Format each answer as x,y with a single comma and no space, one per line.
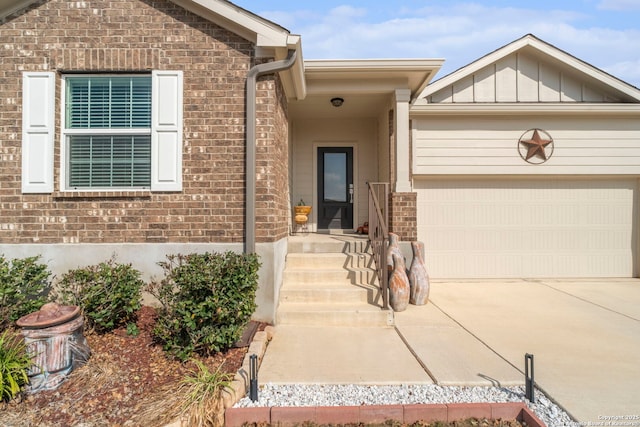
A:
401,127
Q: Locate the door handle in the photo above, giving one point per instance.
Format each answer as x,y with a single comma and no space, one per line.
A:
351,193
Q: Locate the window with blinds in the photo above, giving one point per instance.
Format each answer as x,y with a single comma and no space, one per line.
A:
108,131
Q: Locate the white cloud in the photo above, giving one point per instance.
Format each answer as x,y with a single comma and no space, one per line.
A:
461,33
346,12
619,5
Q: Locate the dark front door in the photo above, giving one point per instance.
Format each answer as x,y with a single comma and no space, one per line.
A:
335,188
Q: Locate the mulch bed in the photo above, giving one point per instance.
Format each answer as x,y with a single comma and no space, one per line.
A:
128,381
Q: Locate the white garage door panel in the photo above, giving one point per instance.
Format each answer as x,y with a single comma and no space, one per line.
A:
474,228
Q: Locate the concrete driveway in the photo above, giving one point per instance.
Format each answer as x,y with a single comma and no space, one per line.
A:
584,335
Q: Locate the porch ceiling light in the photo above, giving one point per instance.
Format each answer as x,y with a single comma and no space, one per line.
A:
337,102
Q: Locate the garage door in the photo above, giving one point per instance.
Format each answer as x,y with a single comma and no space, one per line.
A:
483,228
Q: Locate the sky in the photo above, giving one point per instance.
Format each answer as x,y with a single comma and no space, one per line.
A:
604,33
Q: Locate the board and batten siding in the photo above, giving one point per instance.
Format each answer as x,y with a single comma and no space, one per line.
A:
482,145
522,77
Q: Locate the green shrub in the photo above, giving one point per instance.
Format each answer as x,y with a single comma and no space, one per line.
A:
207,299
24,286
109,293
14,363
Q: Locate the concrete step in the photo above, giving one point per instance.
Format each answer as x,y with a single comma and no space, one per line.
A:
330,280
313,277
329,294
330,259
322,314
330,244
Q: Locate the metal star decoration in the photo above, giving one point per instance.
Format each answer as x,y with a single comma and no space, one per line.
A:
536,147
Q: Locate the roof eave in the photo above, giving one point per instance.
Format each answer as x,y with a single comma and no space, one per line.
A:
269,38
240,21
416,73
293,79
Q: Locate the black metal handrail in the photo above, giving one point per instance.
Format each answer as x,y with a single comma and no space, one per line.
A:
379,234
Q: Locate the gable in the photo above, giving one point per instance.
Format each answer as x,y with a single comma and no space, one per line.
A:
240,21
269,40
529,71
523,77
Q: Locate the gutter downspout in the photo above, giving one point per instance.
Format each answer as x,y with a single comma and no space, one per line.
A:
250,193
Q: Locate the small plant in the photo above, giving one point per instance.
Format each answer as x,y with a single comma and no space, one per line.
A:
24,286
302,203
207,299
14,363
202,396
132,329
109,293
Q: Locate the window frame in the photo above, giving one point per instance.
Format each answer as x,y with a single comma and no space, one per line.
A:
65,132
41,127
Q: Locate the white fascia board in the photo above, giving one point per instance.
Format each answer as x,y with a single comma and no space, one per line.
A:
364,65
240,21
515,109
293,79
270,39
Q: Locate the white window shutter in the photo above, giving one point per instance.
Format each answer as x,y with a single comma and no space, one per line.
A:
166,131
38,126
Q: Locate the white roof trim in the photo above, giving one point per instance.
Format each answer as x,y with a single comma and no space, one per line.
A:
293,79
413,74
515,109
532,41
240,21
357,65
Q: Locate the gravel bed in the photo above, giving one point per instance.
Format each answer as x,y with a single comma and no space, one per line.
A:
356,395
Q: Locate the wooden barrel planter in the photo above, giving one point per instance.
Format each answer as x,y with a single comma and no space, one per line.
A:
55,340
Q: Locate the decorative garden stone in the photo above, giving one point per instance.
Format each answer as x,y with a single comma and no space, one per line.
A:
55,341
418,277
399,288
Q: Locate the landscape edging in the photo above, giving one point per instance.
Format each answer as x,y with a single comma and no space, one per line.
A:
377,414
240,384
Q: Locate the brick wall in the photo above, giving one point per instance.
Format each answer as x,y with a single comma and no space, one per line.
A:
131,35
272,168
403,215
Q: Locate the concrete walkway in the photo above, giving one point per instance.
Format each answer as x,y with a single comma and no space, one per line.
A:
584,334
